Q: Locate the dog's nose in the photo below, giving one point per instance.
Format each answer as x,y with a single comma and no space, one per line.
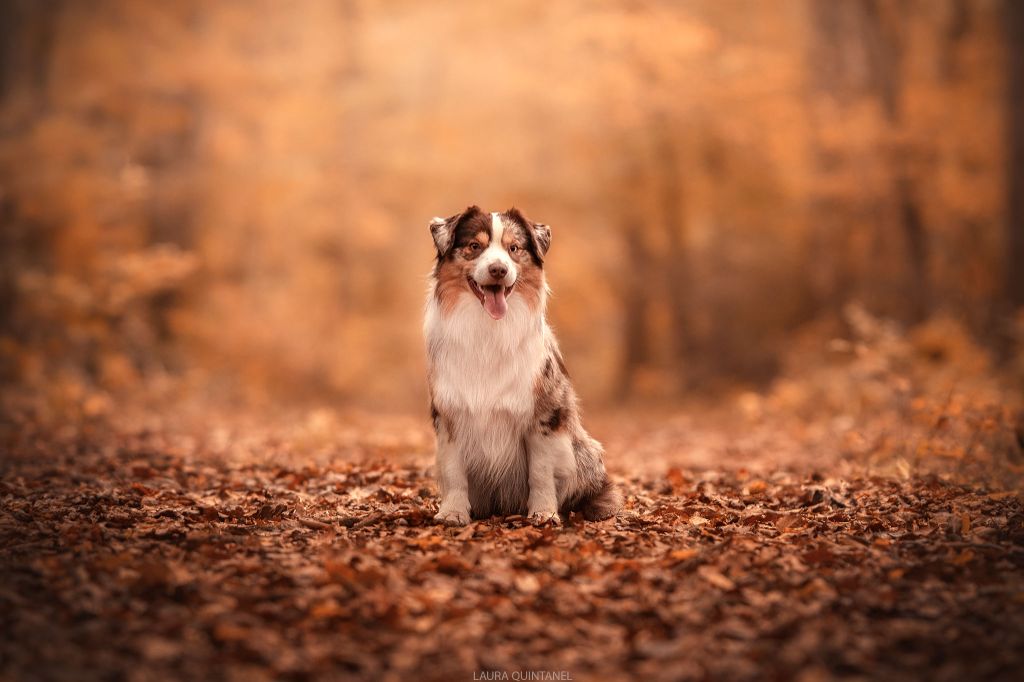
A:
497,270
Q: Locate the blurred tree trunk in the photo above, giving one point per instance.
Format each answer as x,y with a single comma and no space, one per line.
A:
27,30
917,248
1015,151
883,40
677,271
872,30
830,277
957,29
634,340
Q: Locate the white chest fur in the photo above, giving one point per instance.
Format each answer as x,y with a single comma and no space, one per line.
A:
484,367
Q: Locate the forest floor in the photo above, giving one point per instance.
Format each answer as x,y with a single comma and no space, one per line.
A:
305,549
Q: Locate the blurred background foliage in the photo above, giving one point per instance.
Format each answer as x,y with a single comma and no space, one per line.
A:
231,199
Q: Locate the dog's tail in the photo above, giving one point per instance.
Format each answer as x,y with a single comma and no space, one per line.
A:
603,504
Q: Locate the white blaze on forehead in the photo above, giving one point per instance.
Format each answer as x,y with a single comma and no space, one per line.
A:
496,250
497,228
496,253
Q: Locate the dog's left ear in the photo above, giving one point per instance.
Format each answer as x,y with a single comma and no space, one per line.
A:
542,233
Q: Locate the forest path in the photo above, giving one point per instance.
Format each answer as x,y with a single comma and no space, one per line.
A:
153,555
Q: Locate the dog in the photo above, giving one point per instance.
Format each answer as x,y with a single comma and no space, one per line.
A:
510,440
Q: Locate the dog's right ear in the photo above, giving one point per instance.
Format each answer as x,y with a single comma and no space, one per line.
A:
443,230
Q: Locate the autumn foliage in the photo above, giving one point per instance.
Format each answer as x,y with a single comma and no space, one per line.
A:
786,276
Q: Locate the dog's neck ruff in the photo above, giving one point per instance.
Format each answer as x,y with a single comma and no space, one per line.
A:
478,364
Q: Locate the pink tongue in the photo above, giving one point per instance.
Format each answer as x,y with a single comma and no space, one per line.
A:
494,302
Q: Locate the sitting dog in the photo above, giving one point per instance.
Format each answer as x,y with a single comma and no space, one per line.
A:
509,435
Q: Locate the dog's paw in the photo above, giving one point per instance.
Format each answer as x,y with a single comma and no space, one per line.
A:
546,517
452,517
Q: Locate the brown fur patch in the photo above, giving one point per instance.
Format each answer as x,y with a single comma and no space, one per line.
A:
604,504
555,407
471,235
528,259
443,426
553,421
451,283
531,273
561,364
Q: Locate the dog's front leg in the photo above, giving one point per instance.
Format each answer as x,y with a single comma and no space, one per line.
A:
451,479
551,462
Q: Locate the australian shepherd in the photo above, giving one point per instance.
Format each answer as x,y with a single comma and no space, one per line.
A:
509,435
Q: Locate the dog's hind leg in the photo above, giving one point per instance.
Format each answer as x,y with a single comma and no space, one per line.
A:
593,496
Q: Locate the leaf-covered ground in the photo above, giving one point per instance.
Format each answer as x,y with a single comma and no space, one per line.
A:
143,556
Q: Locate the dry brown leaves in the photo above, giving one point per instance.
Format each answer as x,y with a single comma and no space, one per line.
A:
123,557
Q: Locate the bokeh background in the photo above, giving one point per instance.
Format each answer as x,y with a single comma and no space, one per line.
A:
232,198
788,239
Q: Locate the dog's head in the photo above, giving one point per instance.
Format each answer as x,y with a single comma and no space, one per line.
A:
491,256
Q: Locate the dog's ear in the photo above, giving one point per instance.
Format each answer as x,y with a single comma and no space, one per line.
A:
443,230
542,233
539,233
443,233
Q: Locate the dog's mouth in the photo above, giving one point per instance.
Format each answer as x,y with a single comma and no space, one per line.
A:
492,297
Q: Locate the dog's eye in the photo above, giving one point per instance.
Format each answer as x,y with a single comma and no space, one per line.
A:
474,246
513,248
